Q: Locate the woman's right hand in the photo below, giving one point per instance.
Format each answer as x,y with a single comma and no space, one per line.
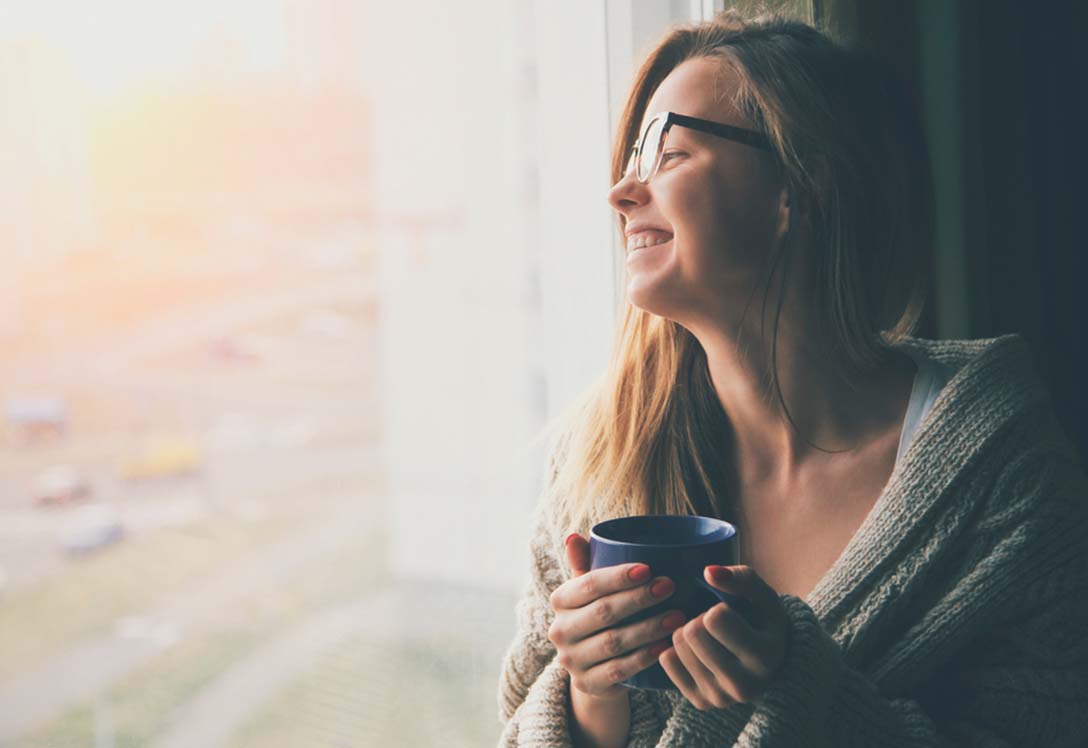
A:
598,655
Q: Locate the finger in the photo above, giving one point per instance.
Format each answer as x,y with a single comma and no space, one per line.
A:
704,679
681,678
745,582
730,675
604,675
732,632
577,554
598,583
614,611
615,642
584,606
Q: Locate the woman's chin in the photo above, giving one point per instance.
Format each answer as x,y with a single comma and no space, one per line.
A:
647,297
652,280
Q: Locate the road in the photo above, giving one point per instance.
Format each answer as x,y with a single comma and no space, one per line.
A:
92,665
253,463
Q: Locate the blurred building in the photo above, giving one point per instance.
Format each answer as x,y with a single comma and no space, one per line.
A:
45,197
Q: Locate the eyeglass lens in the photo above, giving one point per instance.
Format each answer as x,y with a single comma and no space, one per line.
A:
650,147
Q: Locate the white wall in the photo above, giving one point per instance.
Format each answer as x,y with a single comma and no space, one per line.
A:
500,262
450,162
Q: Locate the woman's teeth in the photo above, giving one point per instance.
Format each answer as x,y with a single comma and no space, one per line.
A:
643,240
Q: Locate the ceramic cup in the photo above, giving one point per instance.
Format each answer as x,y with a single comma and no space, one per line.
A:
675,546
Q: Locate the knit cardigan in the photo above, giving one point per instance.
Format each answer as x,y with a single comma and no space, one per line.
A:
957,615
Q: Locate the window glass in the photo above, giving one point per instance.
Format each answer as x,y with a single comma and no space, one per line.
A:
269,306
289,289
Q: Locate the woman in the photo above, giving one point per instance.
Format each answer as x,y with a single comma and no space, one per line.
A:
913,523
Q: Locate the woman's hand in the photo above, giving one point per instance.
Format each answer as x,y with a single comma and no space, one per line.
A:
719,659
598,654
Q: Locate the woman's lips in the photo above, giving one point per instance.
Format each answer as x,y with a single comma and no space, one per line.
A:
645,252
651,235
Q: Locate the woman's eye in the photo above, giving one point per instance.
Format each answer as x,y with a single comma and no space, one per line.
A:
669,154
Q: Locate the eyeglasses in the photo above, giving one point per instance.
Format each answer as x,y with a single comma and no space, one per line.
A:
646,154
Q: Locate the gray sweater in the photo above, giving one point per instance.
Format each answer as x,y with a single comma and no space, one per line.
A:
957,615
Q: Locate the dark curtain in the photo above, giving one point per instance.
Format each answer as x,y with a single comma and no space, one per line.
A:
1002,85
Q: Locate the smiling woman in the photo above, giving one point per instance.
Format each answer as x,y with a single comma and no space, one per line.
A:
896,498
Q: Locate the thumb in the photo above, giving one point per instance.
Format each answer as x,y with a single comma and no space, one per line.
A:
577,554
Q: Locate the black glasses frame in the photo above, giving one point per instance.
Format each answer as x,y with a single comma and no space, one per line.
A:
728,132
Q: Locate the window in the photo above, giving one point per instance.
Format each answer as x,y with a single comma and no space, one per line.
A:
290,288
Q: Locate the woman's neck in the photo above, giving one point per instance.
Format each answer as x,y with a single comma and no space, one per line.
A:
829,412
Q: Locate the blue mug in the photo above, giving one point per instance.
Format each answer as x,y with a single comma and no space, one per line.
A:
675,546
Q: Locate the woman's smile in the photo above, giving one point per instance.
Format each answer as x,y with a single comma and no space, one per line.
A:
648,251
643,242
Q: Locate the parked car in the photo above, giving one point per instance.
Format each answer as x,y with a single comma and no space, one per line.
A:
32,418
60,484
93,526
163,457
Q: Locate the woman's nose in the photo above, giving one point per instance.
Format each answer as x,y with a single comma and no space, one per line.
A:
628,193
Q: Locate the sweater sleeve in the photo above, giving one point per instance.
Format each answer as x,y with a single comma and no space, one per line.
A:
534,689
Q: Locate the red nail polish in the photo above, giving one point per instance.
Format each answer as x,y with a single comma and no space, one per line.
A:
721,573
567,541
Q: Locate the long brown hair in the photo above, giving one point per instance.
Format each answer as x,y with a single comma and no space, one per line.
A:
651,437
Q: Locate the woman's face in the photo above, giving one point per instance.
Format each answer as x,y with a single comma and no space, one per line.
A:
719,203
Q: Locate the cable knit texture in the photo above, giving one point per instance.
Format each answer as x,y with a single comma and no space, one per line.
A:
957,615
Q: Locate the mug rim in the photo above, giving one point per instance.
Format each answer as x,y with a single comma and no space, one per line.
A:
730,528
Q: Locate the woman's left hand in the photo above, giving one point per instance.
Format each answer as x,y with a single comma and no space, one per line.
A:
718,658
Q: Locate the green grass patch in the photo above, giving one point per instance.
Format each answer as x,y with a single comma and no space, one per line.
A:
136,708
140,705
86,599
384,693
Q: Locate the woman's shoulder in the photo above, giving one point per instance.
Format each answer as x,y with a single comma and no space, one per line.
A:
993,406
956,355
988,378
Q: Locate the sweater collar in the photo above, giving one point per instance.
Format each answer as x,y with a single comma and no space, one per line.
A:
992,381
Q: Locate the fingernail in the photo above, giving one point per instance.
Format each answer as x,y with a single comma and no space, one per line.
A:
661,587
567,541
673,621
721,573
639,573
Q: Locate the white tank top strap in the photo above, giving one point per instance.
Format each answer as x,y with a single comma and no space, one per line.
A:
930,378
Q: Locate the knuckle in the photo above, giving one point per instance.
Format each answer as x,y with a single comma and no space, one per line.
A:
613,642
590,588
604,613
615,672
555,635
565,660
